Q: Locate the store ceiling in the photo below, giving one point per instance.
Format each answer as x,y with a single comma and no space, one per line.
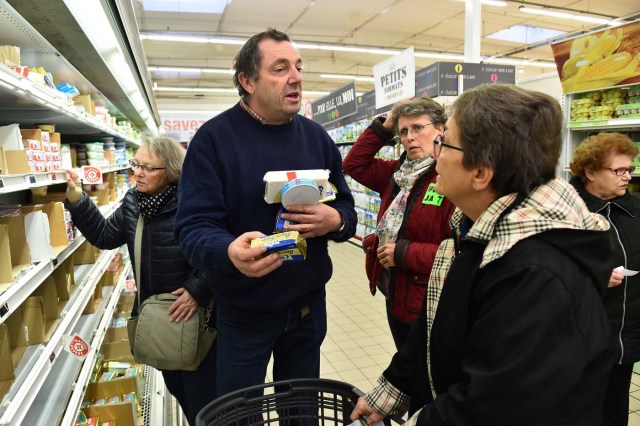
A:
433,26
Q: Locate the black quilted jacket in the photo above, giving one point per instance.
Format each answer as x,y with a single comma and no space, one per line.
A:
164,268
622,302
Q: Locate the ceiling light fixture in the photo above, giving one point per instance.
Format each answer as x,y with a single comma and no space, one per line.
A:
187,69
519,62
565,15
347,77
194,89
494,3
221,90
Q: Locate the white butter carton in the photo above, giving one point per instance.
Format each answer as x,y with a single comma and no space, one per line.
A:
274,182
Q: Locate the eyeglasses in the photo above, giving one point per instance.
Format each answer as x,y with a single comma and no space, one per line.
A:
415,129
620,171
144,167
438,143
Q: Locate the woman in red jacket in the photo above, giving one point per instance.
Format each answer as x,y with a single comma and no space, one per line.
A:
413,218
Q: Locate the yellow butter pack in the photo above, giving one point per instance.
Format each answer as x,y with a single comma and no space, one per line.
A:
290,246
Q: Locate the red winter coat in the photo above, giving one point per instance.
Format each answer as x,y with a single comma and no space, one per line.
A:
424,225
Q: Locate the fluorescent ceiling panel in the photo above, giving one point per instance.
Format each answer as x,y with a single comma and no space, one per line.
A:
525,34
188,6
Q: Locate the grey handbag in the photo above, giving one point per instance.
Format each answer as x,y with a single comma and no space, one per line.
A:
157,341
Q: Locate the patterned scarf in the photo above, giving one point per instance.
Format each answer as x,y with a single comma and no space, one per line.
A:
405,177
150,205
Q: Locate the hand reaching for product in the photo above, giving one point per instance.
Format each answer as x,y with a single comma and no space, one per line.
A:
594,63
74,187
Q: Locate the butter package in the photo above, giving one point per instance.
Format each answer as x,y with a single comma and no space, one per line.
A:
290,246
276,180
280,222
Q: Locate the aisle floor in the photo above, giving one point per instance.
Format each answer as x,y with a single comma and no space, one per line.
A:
358,346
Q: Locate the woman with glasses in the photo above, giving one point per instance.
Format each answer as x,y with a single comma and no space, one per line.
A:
513,330
157,166
601,169
413,218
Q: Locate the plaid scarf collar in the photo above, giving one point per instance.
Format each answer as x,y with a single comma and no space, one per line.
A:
553,205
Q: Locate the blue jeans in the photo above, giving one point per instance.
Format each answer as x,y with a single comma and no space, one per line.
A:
246,341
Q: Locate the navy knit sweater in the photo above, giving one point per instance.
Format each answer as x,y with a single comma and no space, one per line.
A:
222,196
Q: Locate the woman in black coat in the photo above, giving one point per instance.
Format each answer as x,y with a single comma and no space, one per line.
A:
602,170
163,269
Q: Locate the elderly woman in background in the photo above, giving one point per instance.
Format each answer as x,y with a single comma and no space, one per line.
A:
156,166
601,169
513,331
413,218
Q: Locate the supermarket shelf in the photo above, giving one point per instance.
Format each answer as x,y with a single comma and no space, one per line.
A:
18,400
28,103
34,275
20,182
620,124
93,330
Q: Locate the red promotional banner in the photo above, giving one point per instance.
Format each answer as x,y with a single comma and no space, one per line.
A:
603,59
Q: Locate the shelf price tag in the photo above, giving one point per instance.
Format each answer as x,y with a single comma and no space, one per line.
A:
76,346
1,184
91,175
30,179
130,286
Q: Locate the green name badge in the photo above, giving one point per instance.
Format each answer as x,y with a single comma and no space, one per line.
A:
432,197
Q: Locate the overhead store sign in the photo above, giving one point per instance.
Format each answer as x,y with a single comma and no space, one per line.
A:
395,78
335,106
367,106
182,126
598,60
442,78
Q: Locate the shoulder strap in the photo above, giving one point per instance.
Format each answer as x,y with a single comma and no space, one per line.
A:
137,254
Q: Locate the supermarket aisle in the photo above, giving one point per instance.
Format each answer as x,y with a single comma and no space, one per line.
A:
358,346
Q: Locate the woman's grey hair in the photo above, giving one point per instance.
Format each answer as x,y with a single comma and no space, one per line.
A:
170,152
418,107
514,131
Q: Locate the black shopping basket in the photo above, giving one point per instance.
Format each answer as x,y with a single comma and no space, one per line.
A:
301,401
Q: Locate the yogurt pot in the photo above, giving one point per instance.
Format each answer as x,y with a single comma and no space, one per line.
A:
300,191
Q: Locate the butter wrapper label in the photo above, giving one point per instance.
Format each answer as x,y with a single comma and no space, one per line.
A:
290,246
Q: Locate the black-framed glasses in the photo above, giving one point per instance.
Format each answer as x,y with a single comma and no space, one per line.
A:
414,130
620,171
438,143
144,167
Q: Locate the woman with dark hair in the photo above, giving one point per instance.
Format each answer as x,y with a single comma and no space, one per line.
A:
513,331
156,166
601,169
413,219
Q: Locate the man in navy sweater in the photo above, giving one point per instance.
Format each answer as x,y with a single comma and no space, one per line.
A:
264,306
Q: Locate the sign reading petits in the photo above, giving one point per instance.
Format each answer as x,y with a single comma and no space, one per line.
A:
395,78
91,175
337,105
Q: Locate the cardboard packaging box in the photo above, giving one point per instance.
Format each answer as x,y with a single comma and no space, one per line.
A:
276,180
86,254
25,327
10,137
50,305
64,278
19,249
46,230
6,365
124,413
6,276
